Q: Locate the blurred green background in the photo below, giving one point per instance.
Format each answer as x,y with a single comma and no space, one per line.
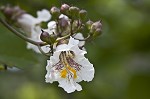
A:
121,56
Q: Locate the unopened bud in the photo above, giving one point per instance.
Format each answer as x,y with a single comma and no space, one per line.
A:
95,26
55,12
74,12
44,36
97,33
82,14
12,12
65,9
63,22
52,39
8,11
89,24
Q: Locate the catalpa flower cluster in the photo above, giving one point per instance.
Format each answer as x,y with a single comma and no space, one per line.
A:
62,39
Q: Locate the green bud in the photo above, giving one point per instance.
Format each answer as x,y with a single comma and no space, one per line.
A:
89,24
82,15
45,37
55,12
74,12
65,9
97,33
52,38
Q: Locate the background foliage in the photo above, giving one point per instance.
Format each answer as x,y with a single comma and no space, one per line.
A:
121,56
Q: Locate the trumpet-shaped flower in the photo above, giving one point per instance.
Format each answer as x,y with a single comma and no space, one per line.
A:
68,66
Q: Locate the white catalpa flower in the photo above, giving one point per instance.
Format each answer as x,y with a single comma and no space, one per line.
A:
31,26
68,66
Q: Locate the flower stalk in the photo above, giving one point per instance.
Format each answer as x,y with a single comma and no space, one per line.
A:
21,35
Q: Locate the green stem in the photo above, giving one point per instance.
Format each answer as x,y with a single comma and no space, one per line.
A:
71,24
21,35
40,49
64,37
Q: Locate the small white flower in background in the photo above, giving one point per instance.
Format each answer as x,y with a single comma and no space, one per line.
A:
31,25
68,66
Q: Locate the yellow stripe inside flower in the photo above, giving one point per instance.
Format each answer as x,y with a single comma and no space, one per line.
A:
67,68
65,72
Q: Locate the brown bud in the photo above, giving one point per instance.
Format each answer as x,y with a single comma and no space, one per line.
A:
12,12
95,26
8,11
64,9
63,22
55,12
44,36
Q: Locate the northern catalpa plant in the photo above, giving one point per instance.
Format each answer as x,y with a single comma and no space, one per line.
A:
62,41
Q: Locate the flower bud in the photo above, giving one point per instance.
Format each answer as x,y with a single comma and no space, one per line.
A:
65,9
74,12
12,12
95,26
7,10
97,33
82,14
52,38
89,24
63,23
44,36
55,12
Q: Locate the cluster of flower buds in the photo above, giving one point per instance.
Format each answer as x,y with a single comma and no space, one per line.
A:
66,20
71,20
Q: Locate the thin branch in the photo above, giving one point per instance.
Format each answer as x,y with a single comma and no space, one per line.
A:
40,49
21,35
64,37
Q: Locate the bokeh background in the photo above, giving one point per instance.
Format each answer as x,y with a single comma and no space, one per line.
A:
121,55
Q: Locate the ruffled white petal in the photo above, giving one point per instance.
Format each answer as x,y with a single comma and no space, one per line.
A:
80,36
52,75
69,85
72,41
51,27
87,71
